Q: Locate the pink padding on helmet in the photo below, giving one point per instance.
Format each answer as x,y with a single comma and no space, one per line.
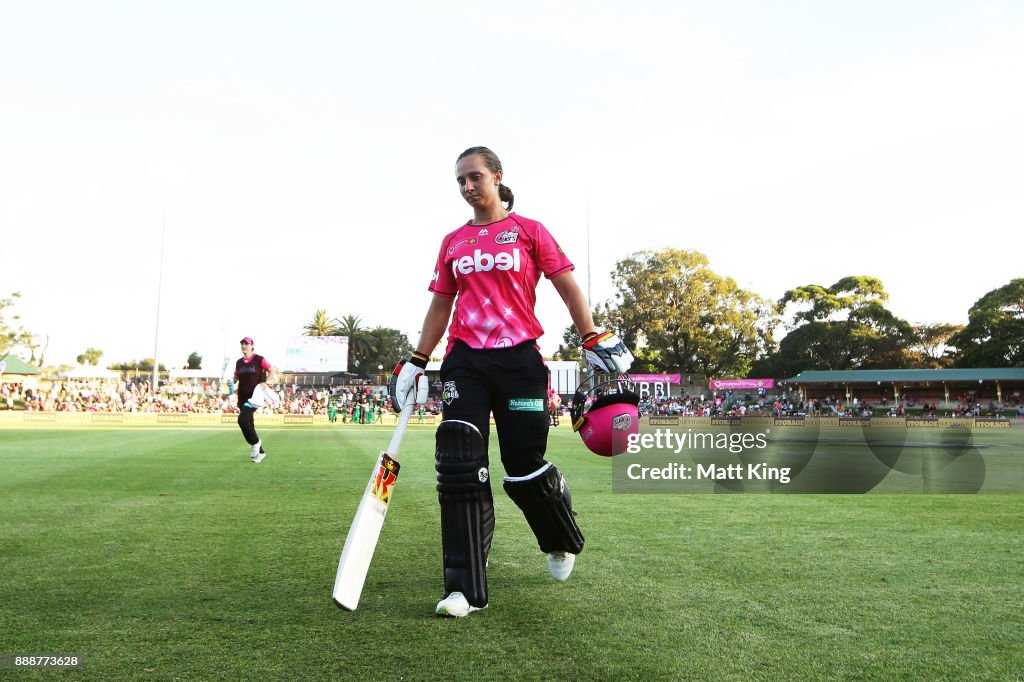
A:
608,424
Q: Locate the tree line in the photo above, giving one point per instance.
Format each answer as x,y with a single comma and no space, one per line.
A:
368,348
679,315
14,335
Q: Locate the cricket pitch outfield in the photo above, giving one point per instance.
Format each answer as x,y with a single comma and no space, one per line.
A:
162,552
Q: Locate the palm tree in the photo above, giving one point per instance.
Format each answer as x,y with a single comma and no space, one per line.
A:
389,345
321,325
360,342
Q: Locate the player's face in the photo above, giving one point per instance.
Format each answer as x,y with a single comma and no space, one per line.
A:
478,185
246,349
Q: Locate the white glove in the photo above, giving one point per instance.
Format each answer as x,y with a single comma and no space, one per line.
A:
264,395
606,353
408,382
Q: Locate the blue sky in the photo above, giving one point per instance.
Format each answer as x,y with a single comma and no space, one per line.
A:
301,156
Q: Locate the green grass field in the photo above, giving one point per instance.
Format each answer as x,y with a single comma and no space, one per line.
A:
165,554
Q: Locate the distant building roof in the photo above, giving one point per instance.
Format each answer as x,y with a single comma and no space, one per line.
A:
16,365
864,376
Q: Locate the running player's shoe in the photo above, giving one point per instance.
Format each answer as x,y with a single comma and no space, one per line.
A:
560,564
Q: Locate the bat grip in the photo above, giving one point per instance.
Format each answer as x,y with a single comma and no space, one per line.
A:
403,422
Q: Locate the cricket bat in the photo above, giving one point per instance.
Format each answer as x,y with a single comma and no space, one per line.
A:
365,530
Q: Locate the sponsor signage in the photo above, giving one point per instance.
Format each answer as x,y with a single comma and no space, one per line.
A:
888,422
734,384
991,423
724,421
855,421
654,385
757,420
656,378
957,422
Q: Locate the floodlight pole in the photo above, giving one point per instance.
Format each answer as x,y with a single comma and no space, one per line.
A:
159,292
224,352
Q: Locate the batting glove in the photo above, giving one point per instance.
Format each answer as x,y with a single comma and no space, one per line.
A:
409,382
606,353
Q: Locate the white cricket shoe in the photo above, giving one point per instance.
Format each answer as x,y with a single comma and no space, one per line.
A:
560,564
254,450
259,458
455,605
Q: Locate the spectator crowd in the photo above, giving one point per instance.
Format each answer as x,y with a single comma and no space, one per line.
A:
360,405
370,404
728,404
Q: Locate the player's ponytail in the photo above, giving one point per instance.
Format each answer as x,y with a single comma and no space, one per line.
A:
493,163
505,194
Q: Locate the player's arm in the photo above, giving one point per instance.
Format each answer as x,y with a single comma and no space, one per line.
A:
271,375
434,323
604,351
572,296
409,380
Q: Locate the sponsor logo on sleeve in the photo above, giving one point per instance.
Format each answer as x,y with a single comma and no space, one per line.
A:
462,242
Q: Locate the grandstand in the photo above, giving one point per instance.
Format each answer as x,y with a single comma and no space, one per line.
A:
947,388
333,379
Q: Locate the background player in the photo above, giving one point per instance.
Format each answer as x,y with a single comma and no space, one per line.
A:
554,406
251,370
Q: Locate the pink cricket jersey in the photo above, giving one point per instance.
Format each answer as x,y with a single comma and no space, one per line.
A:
493,270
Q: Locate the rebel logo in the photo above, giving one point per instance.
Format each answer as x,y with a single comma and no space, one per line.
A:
506,238
481,261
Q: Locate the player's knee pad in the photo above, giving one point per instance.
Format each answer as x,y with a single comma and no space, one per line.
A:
467,509
545,500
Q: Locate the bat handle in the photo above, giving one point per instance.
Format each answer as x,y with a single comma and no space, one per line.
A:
403,422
